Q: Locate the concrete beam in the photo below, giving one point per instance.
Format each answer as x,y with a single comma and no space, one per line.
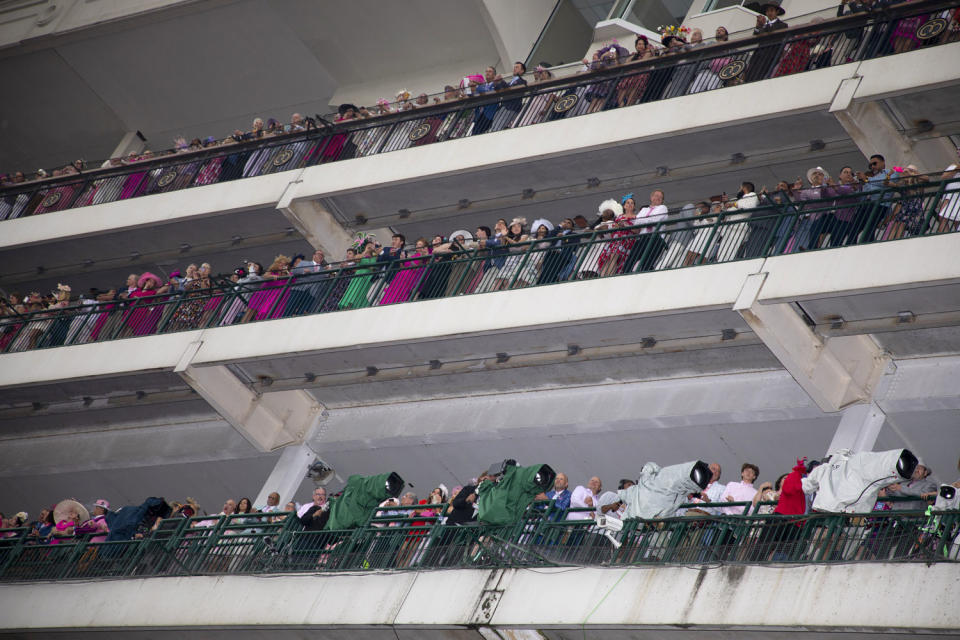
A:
858,428
316,223
129,143
835,372
287,475
267,421
872,127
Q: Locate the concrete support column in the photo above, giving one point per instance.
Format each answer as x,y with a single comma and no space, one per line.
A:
130,143
835,372
318,226
269,421
874,130
514,26
858,428
287,474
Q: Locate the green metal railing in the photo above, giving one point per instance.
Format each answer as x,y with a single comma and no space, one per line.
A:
406,538
782,226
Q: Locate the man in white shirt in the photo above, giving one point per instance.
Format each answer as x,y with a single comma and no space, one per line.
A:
736,232
273,503
742,491
714,490
583,498
646,220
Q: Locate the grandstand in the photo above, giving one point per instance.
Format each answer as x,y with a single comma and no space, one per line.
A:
813,311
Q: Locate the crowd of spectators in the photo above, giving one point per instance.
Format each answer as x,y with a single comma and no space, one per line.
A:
879,203
661,82
69,520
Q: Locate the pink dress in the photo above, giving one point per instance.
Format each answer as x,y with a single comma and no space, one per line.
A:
100,322
144,315
132,185
405,281
271,296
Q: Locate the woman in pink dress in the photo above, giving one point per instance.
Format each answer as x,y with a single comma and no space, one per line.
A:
270,301
615,252
134,181
143,316
409,277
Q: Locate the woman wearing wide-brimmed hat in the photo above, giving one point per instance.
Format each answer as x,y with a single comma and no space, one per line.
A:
142,318
807,232
510,272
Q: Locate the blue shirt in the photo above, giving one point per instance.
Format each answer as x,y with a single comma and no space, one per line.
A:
875,183
561,502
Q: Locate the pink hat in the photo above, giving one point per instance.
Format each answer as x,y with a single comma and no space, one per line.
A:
102,503
144,277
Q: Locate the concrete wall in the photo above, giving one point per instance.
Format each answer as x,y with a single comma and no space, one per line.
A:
885,598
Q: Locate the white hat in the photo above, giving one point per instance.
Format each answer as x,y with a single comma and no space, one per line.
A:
612,205
541,222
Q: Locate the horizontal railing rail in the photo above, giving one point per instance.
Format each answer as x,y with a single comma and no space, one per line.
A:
405,538
851,38
784,224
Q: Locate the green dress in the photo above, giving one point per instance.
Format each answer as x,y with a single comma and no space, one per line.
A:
355,296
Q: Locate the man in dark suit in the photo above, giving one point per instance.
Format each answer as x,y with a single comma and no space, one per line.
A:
769,18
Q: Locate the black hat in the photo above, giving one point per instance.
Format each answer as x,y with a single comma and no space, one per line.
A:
761,7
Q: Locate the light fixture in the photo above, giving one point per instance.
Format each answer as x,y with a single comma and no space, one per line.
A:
649,342
593,183
836,322
372,371
185,247
403,213
135,255
905,317
265,381
663,171
817,145
502,357
87,401
236,239
290,231
141,395
37,406
738,158
360,219
310,376
435,364
41,269
528,193
463,203
728,334
573,349
88,263
923,126
319,472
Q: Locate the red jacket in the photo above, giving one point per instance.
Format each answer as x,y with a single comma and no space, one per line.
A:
792,502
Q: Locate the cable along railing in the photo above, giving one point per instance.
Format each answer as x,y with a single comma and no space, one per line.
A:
849,39
783,226
414,538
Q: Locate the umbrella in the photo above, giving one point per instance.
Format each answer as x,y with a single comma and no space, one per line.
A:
65,508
